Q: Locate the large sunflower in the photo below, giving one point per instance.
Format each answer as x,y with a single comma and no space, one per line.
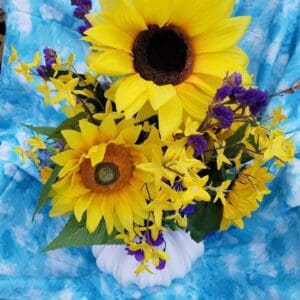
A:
173,53
99,175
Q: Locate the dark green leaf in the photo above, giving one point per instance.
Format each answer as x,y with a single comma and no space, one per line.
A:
233,151
75,234
205,220
71,123
44,198
48,131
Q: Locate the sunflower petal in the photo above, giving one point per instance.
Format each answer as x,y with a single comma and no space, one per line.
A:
222,36
111,63
74,140
154,11
110,36
89,132
96,154
170,117
159,95
195,102
219,64
81,206
198,15
129,90
136,106
63,157
94,213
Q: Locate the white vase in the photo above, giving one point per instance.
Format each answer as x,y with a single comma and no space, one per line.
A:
182,250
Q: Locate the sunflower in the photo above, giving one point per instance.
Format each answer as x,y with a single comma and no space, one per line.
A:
249,189
172,54
99,175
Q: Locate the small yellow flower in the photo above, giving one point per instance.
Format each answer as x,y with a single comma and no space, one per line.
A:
221,158
25,69
33,156
221,190
278,117
44,89
36,143
45,174
278,146
14,55
19,150
65,91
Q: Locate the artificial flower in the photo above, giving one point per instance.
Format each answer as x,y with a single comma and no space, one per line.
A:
173,54
100,175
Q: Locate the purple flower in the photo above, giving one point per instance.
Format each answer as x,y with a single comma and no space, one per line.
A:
45,158
42,71
80,12
161,265
233,80
199,143
178,186
82,3
81,29
256,99
50,57
224,115
189,210
138,255
159,241
223,92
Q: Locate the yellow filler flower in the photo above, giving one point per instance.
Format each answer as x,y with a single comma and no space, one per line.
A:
174,54
100,175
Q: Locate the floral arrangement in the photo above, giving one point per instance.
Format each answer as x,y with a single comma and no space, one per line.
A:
175,138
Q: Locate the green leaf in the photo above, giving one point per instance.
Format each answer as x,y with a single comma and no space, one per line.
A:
48,131
205,220
232,151
71,123
75,234
44,198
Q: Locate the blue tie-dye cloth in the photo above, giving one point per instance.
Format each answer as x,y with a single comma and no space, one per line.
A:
260,262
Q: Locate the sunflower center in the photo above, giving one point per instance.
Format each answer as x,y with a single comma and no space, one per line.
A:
106,173
163,55
112,174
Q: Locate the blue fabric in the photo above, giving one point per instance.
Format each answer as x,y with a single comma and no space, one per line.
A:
259,262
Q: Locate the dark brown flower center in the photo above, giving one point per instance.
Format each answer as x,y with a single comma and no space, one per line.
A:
106,173
163,55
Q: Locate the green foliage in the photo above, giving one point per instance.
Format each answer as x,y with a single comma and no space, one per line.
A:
54,133
233,147
205,220
44,198
75,234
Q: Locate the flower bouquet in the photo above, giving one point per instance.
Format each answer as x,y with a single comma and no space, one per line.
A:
165,141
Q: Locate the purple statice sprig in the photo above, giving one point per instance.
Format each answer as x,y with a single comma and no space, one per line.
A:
82,8
198,142
224,115
50,57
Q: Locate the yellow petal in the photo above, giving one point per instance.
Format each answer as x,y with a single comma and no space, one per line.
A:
111,36
136,106
96,154
131,134
107,207
124,212
154,11
108,129
74,140
145,112
170,117
81,206
111,63
89,132
94,213
195,102
221,36
63,157
159,95
126,17
130,89
199,15
219,64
